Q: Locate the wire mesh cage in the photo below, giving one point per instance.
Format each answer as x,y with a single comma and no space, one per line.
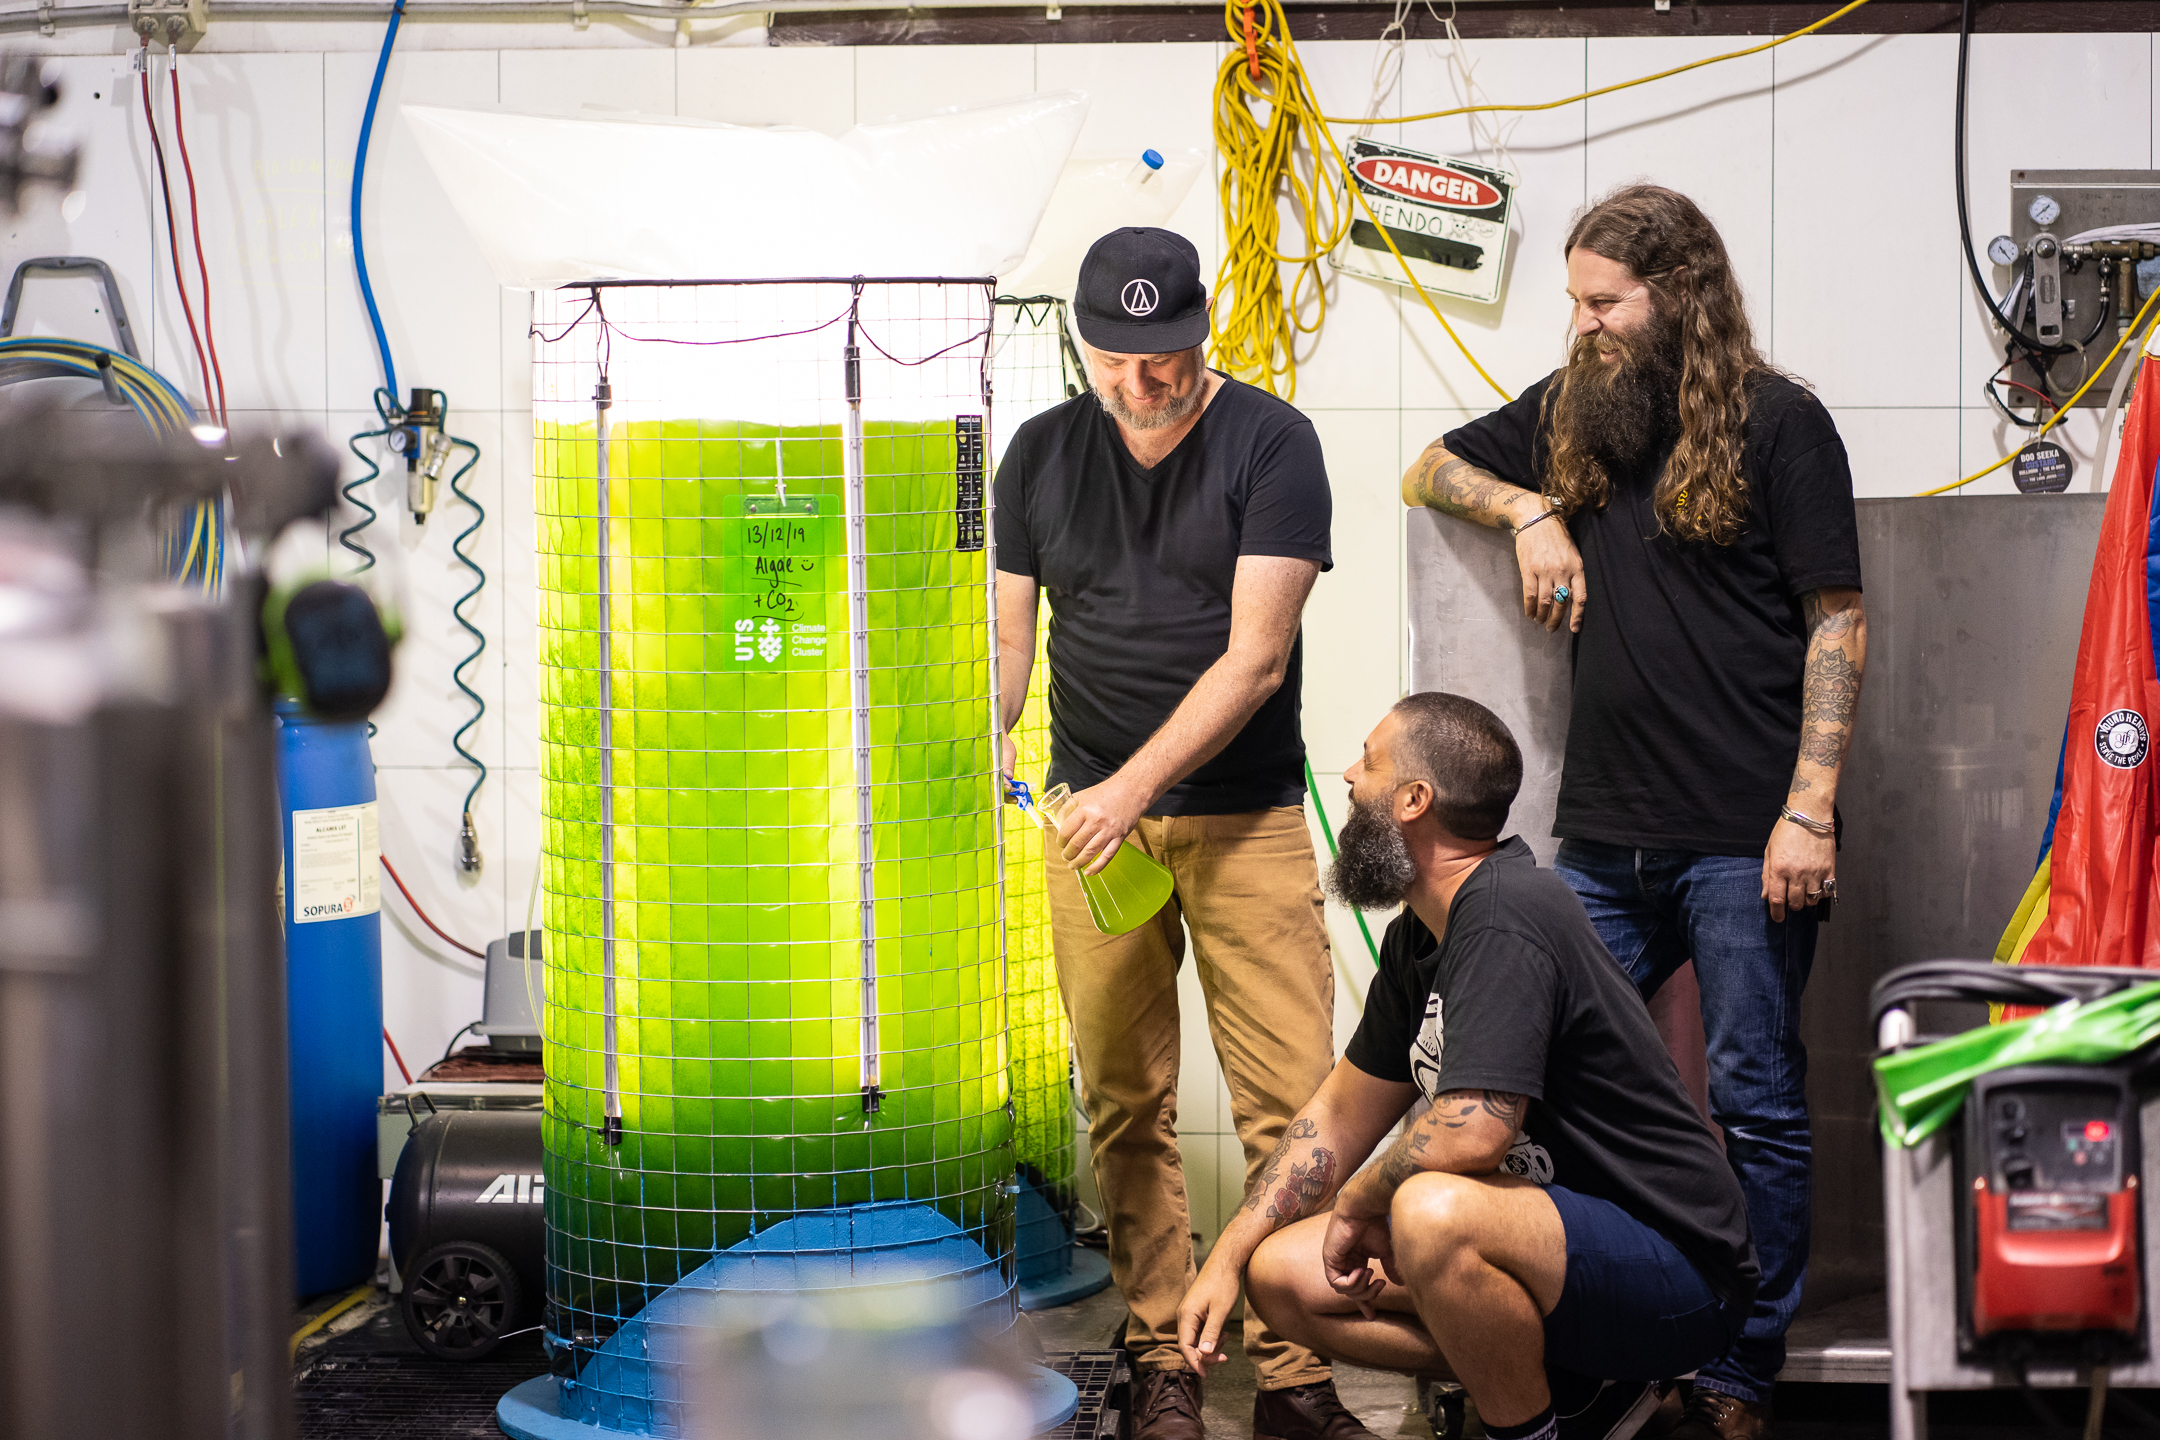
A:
1033,367
775,999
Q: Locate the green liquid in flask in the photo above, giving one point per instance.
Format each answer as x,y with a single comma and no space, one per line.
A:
1124,894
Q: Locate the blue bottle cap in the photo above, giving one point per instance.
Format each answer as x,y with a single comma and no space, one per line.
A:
1016,791
1152,158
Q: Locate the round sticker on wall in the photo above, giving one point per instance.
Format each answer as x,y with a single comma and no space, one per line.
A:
2042,468
2122,740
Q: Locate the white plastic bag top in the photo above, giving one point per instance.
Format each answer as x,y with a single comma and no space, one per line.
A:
1096,195
555,201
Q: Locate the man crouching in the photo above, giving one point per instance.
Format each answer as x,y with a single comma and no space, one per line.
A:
1558,1231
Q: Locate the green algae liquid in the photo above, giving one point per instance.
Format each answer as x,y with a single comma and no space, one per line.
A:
1043,1127
738,956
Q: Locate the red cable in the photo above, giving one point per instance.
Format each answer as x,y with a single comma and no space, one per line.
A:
171,229
395,1056
2045,398
202,268
476,954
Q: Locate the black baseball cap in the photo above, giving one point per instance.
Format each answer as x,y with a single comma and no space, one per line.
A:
1140,293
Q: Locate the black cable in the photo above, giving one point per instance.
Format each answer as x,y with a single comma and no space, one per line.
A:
1972,261
1987,388
2002,984
451,1048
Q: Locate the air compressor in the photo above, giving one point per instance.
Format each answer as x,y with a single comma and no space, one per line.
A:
466,1230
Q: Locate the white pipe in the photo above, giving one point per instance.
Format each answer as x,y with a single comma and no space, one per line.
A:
610,1071
482,11
858,547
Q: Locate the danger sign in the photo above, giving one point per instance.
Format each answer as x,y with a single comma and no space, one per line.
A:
1447,218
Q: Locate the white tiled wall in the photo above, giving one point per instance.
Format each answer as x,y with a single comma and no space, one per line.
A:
1826,162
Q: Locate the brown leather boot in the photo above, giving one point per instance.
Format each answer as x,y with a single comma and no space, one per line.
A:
1305,1412
1714,1415
1166,1406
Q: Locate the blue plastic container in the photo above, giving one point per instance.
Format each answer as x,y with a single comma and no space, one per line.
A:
333,955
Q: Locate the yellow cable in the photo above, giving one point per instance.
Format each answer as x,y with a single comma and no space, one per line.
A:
2075,395
1254,328
1359,196
1830,19
359,1294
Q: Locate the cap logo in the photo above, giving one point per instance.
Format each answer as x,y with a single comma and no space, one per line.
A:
1139,298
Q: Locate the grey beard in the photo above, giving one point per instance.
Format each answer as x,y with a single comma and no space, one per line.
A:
1170,414
1372,868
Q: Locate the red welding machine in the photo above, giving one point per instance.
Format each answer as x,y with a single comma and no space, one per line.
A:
2052,1161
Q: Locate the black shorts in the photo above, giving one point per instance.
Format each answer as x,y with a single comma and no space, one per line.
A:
1633,1307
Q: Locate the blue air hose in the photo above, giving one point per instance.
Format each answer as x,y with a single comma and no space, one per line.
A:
359,176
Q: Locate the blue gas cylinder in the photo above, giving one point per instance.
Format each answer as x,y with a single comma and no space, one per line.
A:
333,958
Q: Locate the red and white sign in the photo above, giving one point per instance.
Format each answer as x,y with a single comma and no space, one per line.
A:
1440,220
1430,184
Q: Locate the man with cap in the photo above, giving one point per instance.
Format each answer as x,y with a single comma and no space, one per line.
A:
1176,519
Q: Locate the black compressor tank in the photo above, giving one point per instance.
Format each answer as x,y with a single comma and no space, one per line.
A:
465,1229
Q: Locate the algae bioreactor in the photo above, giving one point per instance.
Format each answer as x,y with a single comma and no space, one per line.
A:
1034,366
770,803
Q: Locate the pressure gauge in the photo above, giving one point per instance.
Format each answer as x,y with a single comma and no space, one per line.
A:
2003,250
2045,210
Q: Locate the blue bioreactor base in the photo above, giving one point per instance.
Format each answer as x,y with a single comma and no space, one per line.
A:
633,1384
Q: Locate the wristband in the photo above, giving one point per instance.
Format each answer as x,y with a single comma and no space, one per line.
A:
1537,519
1808,822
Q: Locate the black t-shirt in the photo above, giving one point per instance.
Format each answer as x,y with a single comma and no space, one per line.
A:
1523,998
1686,720
1139,565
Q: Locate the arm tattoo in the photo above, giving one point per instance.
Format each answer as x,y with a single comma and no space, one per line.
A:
1300,1129
1456,487
1458,1108
1451,1111
1304,1189
1830,690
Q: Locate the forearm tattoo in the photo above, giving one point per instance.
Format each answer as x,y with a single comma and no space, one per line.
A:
1456,487
1282,1195
1452,1111
1830,689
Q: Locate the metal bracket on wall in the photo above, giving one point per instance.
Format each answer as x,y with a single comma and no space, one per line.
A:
169,22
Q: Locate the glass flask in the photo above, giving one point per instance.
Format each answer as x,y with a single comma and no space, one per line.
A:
1124,894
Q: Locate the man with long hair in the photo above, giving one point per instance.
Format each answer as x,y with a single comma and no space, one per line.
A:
1687,510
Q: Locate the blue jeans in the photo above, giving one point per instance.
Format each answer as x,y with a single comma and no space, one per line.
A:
1657,909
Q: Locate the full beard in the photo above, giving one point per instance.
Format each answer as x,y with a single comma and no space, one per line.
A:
1372,868
1621,410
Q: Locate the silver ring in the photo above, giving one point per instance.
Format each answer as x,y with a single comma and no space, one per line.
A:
1561,593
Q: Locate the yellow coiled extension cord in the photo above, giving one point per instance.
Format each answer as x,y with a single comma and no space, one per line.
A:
1255,327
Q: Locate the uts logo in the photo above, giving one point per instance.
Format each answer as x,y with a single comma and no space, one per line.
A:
1431,184
1139,298
2122,740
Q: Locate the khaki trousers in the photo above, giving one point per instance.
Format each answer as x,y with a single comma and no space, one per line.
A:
1248,889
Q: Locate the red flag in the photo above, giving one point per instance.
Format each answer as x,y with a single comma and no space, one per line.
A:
2103,905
